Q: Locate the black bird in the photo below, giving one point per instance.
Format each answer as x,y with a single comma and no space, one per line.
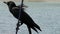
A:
24,17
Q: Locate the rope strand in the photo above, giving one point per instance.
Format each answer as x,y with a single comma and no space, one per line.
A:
17,28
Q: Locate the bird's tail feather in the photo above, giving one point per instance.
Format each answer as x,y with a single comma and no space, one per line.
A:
35,25
34,29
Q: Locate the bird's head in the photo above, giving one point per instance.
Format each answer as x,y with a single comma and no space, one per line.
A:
10,3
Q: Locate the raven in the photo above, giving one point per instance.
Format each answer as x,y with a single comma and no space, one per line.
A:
24,17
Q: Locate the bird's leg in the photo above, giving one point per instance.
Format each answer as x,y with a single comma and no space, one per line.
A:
29,29
18,25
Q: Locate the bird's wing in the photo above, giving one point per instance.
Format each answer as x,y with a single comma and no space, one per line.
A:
15,8
15,11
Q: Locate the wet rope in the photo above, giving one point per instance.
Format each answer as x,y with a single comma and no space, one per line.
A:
17,28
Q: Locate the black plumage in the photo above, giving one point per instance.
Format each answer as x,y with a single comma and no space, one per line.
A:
24,17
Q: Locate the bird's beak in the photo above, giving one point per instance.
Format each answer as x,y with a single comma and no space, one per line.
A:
5,2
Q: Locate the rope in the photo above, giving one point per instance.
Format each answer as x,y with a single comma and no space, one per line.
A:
17,28
20,10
